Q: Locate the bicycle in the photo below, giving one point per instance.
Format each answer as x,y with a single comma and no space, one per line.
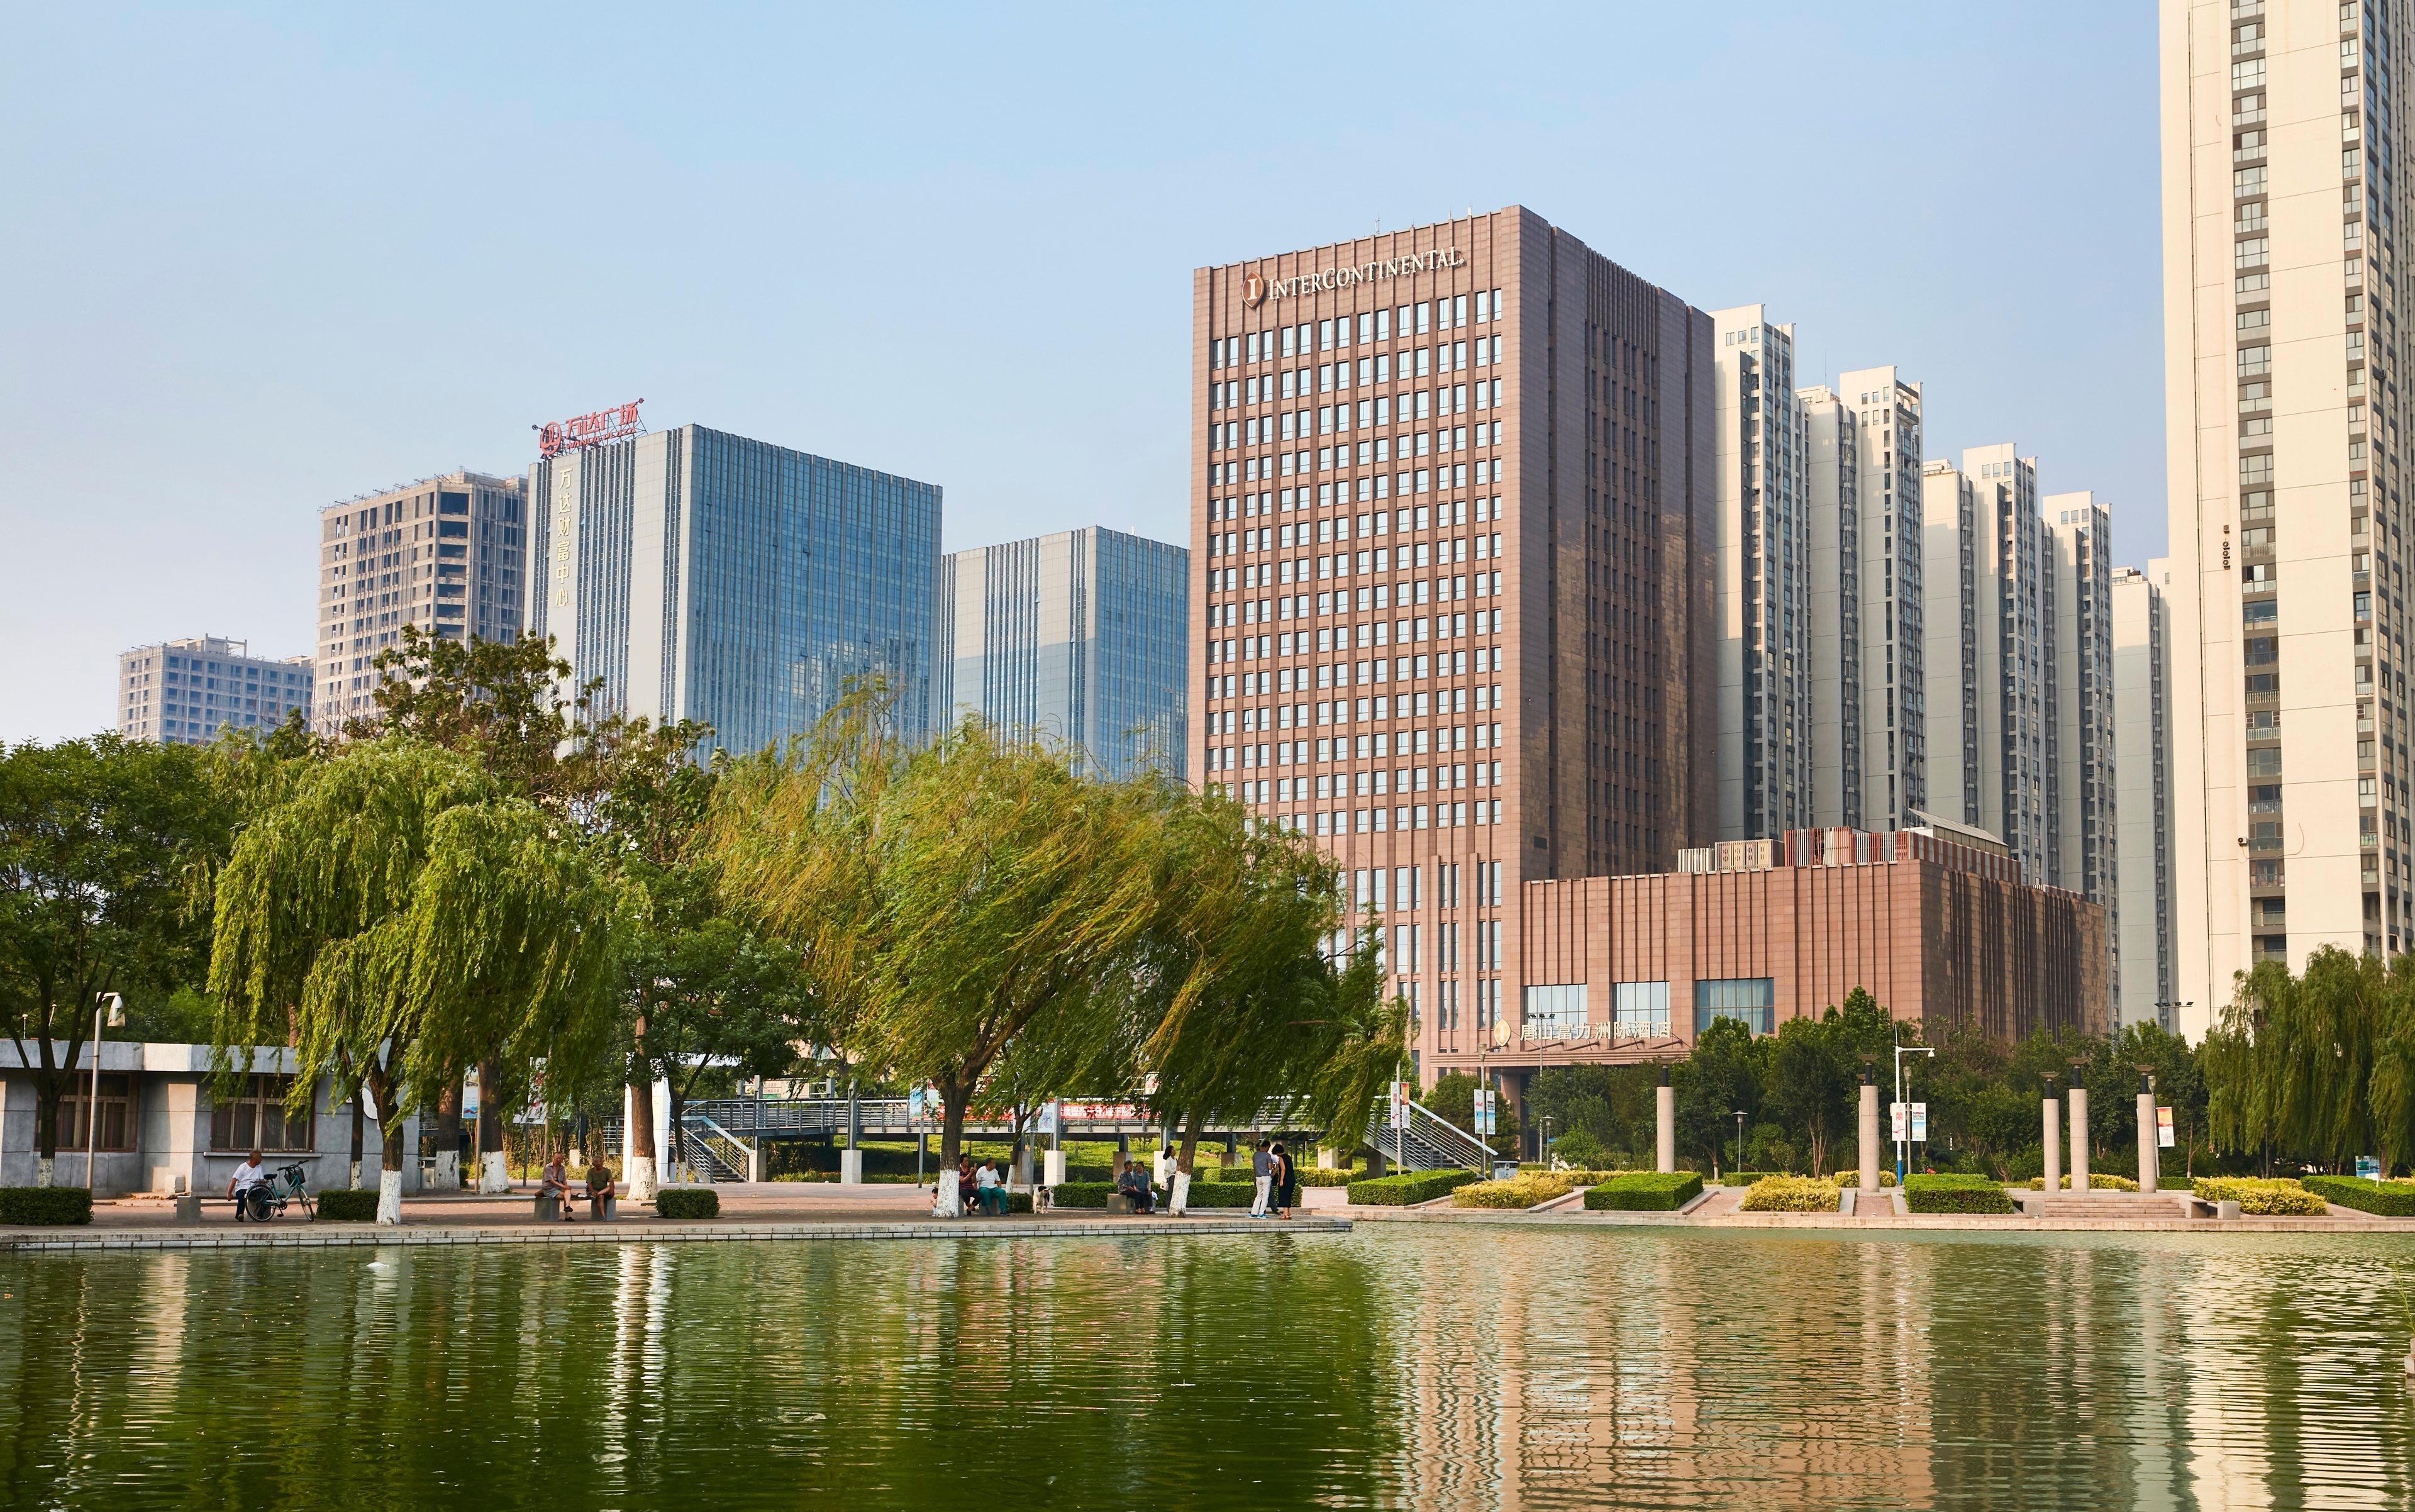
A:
270,1198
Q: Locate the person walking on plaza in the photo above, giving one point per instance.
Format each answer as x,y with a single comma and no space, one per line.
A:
1262,1167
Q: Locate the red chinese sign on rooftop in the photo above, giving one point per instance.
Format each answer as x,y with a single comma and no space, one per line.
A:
619,422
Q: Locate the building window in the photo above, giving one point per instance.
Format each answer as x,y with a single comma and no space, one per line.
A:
1641,1010
1554,1012
258,1119
116,1114
1750,1000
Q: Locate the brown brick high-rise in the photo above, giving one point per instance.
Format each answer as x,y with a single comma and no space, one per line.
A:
1452,546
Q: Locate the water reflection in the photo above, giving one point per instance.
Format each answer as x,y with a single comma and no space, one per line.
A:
1398,1367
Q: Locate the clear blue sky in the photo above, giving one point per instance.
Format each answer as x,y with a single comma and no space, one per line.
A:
259,259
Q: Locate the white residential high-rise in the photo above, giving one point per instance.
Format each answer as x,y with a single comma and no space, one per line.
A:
1990,663
2082,681
1832,493
1863,493
1080,637
184,692
446,554
2142,747
1763,556
2283,163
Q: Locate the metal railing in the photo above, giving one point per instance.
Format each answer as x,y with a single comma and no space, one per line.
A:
1426,1141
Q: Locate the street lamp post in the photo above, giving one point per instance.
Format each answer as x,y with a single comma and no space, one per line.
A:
108,1008
1739,1160
1546,1151
1903,1137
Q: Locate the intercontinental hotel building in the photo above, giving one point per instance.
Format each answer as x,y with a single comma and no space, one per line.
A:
1453,541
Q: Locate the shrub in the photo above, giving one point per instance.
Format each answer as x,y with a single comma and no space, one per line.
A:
2277,1198
1408,1189
680,1203
1081,1193
1523,1191
45,1205
348,1204
1219,1193
2391,1199
1578,1146
2097,1181
1645,1191
1309,1176
1746,1178
1853,1178
1956,1194
1791,1194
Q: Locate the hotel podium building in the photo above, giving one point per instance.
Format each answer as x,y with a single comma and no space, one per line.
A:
2285,347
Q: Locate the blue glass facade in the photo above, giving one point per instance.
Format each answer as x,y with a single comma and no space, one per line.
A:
1078,637
703,575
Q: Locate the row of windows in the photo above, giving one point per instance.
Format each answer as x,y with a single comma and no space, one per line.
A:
1370,783
1378,709
1447,313
1384,820
1341,377
1380,746
1361,674
1361,601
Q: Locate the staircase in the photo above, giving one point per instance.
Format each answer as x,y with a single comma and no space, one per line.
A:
714,1152
1425,1141
2102,1205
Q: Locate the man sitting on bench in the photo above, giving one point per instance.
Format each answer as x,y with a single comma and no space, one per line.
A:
1133,1182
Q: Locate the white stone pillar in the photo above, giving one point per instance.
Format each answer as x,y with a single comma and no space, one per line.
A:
2053,1142
1664,1117
1869,1132
2078,1139
2146,1150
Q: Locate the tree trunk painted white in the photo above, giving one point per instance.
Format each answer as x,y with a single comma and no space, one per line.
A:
642,1178
354,1181
46,1170
950,1204
1181,1203
494,1174
390,1198
448,1171
851,1168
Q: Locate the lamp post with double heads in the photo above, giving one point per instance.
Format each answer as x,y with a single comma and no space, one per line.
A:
108,1008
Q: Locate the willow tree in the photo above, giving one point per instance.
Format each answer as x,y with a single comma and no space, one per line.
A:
1238,1000
950,900
2290,1070
398,916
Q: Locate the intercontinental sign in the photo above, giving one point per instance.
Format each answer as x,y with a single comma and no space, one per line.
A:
1257,290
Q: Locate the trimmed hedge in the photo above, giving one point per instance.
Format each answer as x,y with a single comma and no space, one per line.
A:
1748,1178
2391,1199
348,1204
1522,1191
2280,1197
1955,1193
1645,1191
45,1205
1408,1190
1791,1194
2097,1181
1853,1178
681,1203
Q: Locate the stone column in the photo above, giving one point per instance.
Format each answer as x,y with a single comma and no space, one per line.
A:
2053,1142
1869,1132
2078,1139
2148,1152
1664,1108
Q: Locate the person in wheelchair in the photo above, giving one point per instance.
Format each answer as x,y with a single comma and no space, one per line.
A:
240,1188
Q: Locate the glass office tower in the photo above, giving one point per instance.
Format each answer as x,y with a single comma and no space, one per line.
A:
698,574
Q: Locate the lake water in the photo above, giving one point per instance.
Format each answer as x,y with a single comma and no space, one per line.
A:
1426,1367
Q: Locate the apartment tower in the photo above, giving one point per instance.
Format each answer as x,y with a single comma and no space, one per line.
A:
1764,565
2142,750
702,575
1079,638
2085,795
184,691
1452,548
2284,158
446,554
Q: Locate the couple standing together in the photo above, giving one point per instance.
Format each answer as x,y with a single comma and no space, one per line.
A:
1275,1179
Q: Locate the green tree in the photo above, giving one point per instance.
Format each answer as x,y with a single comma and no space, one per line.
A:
101,840
401,915
1724,1073
2290,1070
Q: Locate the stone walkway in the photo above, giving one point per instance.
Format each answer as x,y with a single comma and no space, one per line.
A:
765,1210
